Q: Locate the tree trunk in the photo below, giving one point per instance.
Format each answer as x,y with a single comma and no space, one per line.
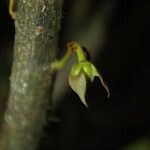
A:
37,26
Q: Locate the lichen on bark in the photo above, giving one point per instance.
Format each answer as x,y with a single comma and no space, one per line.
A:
37,26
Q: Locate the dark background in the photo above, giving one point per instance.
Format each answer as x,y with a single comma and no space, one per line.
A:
123,120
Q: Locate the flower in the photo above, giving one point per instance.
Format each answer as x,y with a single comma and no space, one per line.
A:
80,71
79,74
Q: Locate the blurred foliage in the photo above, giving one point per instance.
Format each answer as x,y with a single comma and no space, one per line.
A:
143,144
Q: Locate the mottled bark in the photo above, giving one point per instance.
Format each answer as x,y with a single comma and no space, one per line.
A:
37,26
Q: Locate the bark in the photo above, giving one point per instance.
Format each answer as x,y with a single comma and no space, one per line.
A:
37,26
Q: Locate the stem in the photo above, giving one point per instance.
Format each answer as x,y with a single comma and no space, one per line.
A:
37,26
56,65
80,54
11,7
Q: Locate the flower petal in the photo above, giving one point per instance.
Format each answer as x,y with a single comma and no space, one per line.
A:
96,73
88,69
78,84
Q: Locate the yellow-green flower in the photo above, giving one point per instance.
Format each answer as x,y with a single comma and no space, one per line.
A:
79,74
80,71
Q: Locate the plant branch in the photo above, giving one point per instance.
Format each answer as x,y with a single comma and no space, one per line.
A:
37,25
